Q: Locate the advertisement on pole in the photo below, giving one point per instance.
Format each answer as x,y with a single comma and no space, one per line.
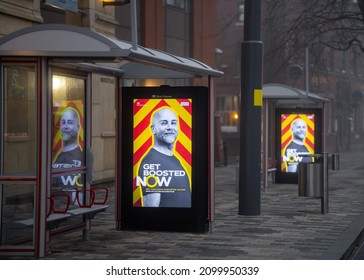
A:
165,138
298,135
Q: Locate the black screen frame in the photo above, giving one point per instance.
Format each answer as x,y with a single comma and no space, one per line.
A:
292,178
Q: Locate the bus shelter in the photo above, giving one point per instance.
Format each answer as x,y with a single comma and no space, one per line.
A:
283,105
46,74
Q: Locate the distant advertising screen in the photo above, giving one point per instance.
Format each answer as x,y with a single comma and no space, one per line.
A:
162,152
297,140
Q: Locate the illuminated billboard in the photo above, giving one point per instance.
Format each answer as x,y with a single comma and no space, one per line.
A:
68,134
297,140
164,158
162,152
298,135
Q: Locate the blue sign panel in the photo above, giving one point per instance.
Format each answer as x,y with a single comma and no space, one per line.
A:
71,5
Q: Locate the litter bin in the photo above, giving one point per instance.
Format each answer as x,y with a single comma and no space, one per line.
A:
335,162
310,179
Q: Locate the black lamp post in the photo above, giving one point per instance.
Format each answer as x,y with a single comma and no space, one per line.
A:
251,108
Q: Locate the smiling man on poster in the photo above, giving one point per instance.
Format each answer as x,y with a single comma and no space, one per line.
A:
163,179
70,155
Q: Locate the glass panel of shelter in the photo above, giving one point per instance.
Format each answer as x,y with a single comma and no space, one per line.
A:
18,152
68,142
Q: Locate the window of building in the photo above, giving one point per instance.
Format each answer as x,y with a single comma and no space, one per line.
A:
178,24
180,4
241,9
227,108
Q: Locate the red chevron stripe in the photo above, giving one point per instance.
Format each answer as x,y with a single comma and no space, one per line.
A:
310,130
286,129
184,153
138,203
142,150
187,108
285,143
185,128
137,108
141,126
310,144
134,184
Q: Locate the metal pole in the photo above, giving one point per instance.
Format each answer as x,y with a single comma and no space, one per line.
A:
307,74
134,25
325,184
251,106
212,155
265,144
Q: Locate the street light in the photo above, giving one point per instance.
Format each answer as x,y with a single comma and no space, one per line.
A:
250,112
115,3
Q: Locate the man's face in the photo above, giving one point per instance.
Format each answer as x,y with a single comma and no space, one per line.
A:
299,129
69,125
165,126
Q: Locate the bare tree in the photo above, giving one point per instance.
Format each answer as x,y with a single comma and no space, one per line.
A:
290,26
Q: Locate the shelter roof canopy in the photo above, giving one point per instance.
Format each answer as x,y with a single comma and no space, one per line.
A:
286,94
82,45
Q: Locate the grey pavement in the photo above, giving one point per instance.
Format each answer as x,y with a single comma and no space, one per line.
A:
289,227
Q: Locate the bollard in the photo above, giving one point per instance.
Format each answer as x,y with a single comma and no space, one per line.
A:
225,154
335,162
237,174
325,184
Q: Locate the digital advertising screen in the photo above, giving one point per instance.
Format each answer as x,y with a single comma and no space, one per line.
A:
297,140
164,160
162,152
298,135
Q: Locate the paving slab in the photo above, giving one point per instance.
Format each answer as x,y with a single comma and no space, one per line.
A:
289,227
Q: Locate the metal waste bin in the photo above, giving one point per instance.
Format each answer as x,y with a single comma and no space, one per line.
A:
310,179
335,162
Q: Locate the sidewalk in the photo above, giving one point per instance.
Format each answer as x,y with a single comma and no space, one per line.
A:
289,227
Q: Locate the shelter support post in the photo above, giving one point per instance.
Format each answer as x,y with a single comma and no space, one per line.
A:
211,171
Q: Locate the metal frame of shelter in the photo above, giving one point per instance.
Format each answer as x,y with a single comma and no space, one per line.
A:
71,47
285,96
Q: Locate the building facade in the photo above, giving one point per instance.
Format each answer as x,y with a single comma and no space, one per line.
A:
332,74
181,27
66,70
